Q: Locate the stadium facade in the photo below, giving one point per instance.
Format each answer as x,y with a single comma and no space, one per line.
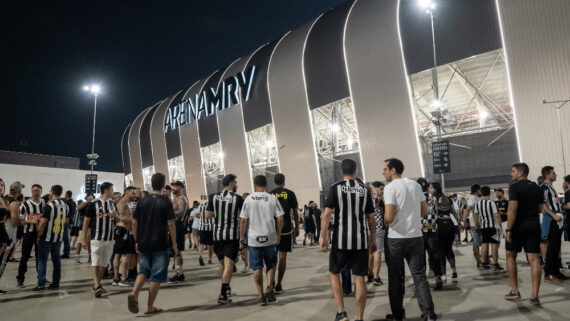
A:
356,82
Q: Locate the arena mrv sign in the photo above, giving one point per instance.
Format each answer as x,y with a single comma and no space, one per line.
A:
207,102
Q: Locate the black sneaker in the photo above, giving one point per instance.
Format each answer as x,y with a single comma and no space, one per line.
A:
262,301
115,282
512,296
201,261
2,292
378,282
224,299
370,278
234,270
174,279
270,294
278,288
429,317
210,261
39,288
53,287
438,283
98,292
534,301
497,267
341,317
20,284
454,277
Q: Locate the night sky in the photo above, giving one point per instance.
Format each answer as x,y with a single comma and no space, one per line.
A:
140,52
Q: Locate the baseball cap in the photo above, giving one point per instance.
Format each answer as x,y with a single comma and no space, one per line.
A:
16,186
178,183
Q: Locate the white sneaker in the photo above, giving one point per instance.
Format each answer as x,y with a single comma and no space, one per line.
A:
444,278
245,270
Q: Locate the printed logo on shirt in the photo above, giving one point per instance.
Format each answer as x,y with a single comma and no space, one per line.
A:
282,195
259,198
353,189
221,198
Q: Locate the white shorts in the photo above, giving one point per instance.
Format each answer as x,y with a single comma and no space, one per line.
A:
101,252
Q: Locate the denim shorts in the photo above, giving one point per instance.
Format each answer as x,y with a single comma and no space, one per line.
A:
545,226
260,255
154,265
477,237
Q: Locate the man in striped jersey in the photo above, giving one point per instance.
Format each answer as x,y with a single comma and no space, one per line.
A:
488,221
50,236
206,234
100,216
552,215
351,202
224,208
31,210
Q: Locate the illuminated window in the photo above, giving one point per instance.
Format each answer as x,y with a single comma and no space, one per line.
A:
213,167
147,175
176,169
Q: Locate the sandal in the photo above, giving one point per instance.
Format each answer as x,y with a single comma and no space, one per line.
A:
154,311
133,304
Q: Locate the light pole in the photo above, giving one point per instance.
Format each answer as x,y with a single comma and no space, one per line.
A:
429,6
94,90
558,104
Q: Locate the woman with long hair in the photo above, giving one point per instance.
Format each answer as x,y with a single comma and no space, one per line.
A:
445,230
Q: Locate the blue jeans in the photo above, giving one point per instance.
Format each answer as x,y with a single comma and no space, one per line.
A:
260,255
66,248
545,226
45,249
154,265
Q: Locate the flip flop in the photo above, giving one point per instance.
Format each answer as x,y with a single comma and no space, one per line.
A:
133,304
154,311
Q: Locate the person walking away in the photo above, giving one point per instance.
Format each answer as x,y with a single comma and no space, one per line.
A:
488,221
429,230
153,222
405,206
526,202
50,236
351,201
81,209
68,225
260,210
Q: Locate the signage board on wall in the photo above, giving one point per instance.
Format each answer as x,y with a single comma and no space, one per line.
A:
90,183
441,157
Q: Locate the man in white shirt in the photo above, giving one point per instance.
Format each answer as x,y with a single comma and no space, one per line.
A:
405,206
260,209
472,202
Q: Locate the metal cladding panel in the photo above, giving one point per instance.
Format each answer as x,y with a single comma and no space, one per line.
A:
192,161
537,45
208,126
135,150
463,28
256,111
190,146
325,70
125,150
146,148
232,137
379,90
157,139
172,137
291,120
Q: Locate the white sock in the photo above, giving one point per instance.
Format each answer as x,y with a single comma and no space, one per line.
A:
179,269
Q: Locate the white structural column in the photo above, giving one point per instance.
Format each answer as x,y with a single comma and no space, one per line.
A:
289,107
378,87
232,135
135,149
536,39
158,143
190,143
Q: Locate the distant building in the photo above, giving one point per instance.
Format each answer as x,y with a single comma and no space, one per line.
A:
19,158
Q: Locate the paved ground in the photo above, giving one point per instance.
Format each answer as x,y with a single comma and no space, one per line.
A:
477,296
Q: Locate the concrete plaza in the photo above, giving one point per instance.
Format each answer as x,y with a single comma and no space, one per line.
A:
478,295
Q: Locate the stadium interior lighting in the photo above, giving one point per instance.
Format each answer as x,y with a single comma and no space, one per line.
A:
94,89
221,155
336,127
484,114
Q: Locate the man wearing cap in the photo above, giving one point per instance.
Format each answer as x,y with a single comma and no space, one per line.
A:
180,205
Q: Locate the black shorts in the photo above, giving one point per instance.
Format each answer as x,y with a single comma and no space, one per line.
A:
357,259
206,237
227,249
526,236
487,234
180,231
124,241
286,243
20,232
75,231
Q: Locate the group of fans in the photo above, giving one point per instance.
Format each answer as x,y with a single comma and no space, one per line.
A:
131,236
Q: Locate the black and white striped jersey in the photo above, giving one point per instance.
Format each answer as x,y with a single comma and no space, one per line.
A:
205,224
56,212
351,201
102,226
226,207
486,209
551,198
31,210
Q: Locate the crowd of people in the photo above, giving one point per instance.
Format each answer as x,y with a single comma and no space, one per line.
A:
132,237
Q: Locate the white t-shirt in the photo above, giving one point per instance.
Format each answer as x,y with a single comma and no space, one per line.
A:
407,196
261,209
196,220
472,201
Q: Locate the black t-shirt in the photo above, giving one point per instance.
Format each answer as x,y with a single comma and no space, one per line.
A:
153,214
566,201
288,201
529,197
503,207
